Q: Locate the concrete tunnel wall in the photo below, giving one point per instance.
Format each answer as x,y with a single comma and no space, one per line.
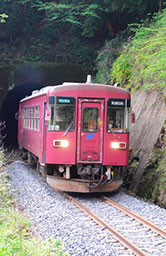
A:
18,81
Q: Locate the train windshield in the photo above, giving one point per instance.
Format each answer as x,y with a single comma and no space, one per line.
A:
118,115
62,114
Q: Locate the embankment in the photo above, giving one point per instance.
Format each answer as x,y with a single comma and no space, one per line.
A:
148,142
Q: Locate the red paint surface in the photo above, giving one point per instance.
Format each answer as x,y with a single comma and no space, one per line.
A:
90,144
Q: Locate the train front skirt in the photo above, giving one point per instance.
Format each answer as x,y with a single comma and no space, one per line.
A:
82,186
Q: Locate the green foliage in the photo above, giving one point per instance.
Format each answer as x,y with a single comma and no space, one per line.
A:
142,63
121,70
108,54
64,31
16,234
3,17
16,238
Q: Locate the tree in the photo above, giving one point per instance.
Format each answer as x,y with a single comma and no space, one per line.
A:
69,31
90,17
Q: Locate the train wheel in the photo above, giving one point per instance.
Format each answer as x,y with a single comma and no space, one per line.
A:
43,171
24,155
38,166
30,158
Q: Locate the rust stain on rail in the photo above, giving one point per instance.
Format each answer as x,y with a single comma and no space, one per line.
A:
135,216
119,237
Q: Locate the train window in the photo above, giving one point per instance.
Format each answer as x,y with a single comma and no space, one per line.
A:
118,115
36,121
62,114
29,118
32,117
90,119
24,116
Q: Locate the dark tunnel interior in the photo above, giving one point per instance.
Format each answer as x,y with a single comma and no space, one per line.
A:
10,106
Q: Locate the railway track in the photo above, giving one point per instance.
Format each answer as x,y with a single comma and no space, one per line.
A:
137,248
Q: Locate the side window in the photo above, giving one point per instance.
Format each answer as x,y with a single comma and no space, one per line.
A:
118,115
29,118
90,119
23,117
35,125
37,118
32,118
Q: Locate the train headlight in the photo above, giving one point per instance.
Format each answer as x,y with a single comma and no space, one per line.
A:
61,143
118,145
64,143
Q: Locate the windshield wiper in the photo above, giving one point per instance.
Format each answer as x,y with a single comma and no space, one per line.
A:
68,128
113,133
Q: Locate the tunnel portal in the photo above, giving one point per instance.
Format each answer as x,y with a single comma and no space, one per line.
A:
19,80
10,107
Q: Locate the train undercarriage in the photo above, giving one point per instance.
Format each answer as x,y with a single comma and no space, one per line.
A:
83,178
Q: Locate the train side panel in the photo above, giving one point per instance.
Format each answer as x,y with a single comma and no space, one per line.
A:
31,132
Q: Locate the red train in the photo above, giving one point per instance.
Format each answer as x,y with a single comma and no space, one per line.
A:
79,135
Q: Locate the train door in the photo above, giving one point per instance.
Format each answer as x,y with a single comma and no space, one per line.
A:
90,131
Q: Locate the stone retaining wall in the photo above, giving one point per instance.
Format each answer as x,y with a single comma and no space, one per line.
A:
150,111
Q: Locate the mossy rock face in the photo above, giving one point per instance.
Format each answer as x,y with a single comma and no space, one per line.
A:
159,192
152,185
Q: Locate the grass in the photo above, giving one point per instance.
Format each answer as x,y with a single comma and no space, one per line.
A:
142,63
16,232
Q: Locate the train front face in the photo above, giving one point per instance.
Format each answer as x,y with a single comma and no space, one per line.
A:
89,143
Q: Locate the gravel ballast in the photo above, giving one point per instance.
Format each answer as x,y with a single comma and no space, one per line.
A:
52,215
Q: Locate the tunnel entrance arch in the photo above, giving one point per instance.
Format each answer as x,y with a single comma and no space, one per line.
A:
10,107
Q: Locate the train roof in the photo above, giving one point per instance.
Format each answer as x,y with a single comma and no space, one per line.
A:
89,87
79,88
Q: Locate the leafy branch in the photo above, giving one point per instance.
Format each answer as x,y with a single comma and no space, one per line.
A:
3,17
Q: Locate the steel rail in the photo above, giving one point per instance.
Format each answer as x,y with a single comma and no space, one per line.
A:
135,216
119,237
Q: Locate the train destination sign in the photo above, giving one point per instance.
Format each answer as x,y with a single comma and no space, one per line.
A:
65,100
118,103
